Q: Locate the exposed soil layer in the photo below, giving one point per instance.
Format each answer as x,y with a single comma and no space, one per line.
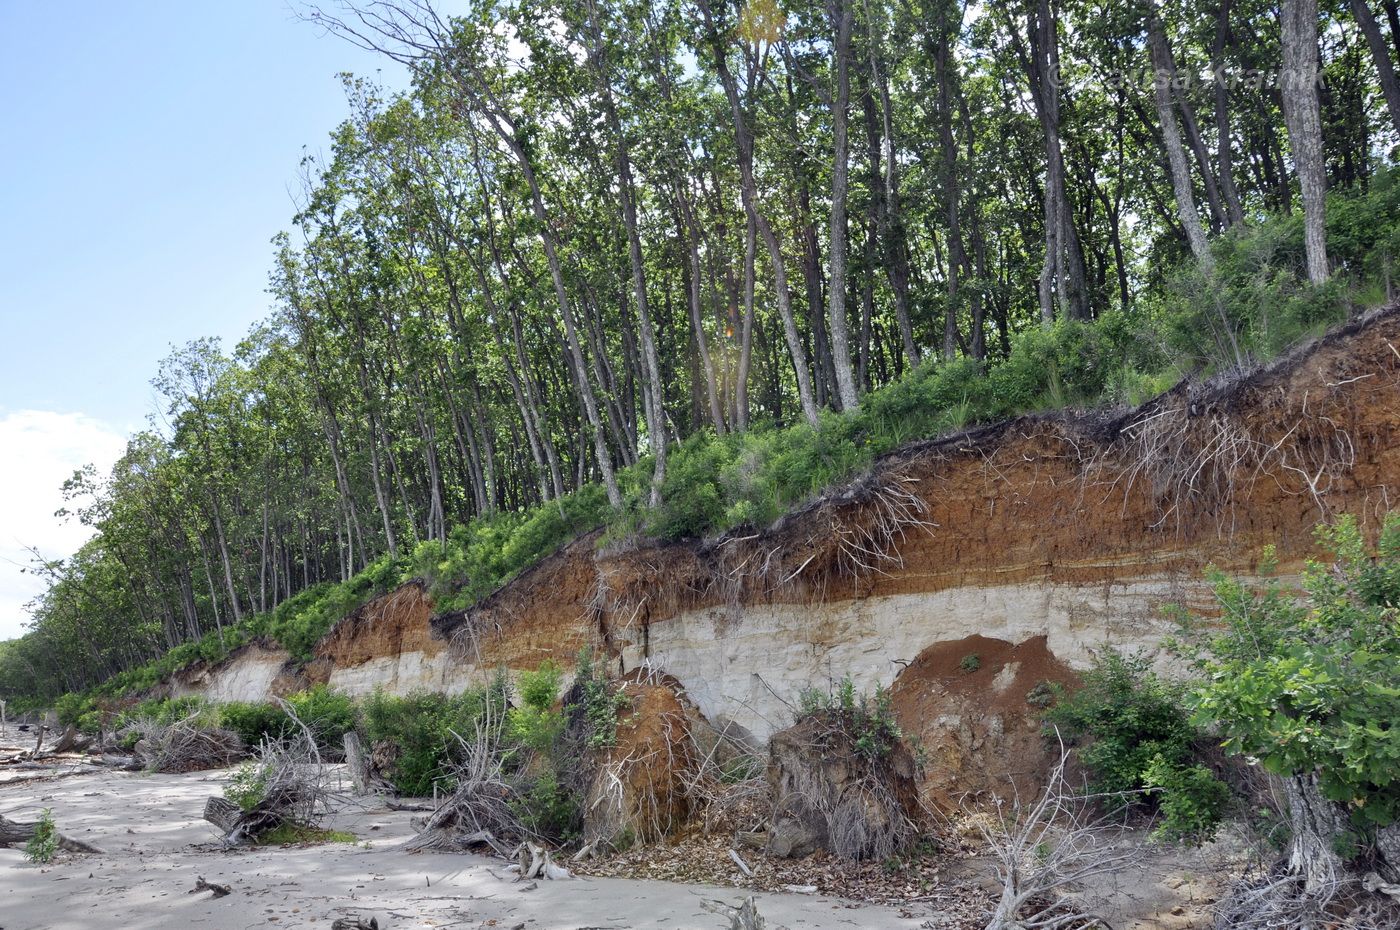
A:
1205,473
640,787
389,625
973,707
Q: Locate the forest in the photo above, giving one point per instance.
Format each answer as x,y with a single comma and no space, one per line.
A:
673,267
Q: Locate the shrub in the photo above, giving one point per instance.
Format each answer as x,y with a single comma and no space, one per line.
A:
1192,799
970,662
247,786
601,702
70,708
43,845
1308,686
421,728
254,722
1134,734
868,720
328,714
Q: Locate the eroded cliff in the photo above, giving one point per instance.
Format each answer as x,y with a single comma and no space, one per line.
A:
1030,542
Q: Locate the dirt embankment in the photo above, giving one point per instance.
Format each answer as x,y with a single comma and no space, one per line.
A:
1047,536
1205,473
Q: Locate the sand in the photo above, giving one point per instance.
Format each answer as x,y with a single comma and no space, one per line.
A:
156,845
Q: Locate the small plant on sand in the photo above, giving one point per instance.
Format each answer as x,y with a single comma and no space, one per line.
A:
43,845
970,662
247,786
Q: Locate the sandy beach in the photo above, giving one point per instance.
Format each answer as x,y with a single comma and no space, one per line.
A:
156,846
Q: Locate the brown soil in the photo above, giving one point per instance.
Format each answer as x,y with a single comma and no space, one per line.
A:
1205,473
979,727
389,625
641,784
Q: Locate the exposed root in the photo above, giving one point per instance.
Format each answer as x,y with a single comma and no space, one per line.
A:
186,745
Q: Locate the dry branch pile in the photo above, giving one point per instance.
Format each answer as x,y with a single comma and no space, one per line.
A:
1045,848
292,783
187,745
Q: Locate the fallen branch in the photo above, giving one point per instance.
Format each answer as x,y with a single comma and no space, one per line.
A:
13,832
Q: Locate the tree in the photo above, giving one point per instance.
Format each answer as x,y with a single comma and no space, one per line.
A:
1298,91
1305,686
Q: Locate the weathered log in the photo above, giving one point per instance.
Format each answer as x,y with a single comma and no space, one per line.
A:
13,832
222,813
218,890
356,762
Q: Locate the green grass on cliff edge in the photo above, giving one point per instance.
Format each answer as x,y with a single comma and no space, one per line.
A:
1256,305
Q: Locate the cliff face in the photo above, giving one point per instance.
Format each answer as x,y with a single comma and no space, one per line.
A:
1053,535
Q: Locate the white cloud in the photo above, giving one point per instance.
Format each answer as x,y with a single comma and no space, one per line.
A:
39,450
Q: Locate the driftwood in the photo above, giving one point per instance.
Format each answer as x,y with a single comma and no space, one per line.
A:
743,917
356,762
355,923
71,741
218,889
13,832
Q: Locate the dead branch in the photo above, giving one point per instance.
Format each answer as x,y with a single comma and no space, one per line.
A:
1045,848
13,832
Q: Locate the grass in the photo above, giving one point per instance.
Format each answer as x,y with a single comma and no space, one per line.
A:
293,834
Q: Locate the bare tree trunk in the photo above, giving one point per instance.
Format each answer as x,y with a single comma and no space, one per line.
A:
842,19
741,379
1224,157
957,254
1171,140
656,425
1301,113
891,217
744,140
1385,68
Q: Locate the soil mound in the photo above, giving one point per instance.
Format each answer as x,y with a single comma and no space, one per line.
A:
973,706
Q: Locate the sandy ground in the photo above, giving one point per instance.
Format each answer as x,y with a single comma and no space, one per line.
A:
156,845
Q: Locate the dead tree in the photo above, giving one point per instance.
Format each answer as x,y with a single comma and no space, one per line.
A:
1044,848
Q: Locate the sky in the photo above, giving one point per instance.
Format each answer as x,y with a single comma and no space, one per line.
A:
148,153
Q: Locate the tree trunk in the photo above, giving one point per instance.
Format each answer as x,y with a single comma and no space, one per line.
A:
842,19
1316,823
1301,112
1385,68
1224,156
1171,140
744,141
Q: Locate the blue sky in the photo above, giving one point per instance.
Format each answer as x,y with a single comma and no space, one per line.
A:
148,152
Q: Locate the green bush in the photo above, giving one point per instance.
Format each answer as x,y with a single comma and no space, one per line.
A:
868,720
1133,732
43,845
548,809
70,708
247,786
1192,800
1309,686
254,722
328,714
601,702
421,727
